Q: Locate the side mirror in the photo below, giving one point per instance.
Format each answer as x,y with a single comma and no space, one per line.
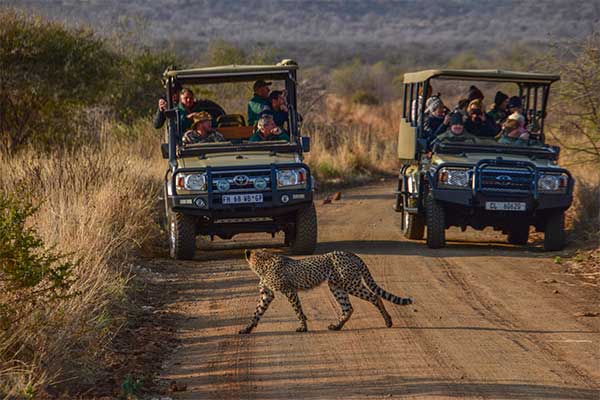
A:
305,144
164,149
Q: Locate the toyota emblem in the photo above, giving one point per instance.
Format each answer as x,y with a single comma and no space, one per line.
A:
240,180
504,179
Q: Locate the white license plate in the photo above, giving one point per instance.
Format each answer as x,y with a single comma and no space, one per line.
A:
505,206
242,198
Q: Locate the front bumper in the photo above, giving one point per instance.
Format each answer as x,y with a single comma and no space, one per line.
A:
469,199
480,192
272,206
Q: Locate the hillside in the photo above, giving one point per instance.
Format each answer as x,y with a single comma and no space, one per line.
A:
333,31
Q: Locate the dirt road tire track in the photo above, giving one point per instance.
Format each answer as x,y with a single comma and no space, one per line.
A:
490,320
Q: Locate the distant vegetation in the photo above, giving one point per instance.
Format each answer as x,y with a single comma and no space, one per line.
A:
56,82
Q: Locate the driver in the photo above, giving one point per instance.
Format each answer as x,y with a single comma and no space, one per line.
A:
202,130
456,131
267,130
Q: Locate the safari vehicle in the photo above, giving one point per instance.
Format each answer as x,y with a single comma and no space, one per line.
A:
483,184
226,188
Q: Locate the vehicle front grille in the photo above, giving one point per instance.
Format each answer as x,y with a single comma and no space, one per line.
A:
241,181
512,180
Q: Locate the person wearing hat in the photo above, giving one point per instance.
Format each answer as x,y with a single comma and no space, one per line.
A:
436,120
202,130
456,131
266,130
498,111
477,123
475,94
259,102
278,107
515,105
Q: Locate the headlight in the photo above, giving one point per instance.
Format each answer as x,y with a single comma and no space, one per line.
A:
454,177
291,178
553,183
196,182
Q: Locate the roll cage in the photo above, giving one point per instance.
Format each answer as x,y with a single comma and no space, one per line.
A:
533,87
282,71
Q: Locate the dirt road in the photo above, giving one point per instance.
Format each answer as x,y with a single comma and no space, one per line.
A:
489,321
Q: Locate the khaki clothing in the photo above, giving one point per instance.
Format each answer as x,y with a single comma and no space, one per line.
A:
191,137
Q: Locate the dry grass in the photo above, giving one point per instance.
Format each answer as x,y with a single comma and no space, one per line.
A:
352,143
97,203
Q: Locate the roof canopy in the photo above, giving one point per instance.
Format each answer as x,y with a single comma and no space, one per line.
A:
494,75
233,73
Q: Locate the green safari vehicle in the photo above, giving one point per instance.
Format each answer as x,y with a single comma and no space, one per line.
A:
483,184
237,186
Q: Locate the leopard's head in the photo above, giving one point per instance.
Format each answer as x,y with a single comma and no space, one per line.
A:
258,258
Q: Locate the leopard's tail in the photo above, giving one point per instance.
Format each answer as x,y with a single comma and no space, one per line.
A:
368,278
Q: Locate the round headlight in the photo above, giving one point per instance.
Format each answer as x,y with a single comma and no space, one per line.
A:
195,182
549,182
223,185
260,184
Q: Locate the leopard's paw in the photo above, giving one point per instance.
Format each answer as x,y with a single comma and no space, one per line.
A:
246,330
334,327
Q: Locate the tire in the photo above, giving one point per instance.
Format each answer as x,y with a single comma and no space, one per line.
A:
555,237
182,236
413,225
436,223
518,235
304,239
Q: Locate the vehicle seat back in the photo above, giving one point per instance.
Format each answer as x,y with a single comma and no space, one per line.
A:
231,120
236,132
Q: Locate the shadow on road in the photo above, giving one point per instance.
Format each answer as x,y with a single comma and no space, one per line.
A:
454,248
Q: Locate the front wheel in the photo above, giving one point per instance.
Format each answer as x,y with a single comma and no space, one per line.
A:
182,236
555,237
413,225
436,223
304,237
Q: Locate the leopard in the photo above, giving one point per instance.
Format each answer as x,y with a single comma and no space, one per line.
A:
345,273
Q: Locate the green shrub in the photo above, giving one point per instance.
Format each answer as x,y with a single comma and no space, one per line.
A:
29,270
47,73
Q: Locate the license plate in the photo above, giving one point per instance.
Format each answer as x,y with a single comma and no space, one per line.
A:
242,198
505,206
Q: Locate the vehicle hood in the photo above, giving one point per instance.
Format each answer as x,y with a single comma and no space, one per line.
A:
473,158
238,159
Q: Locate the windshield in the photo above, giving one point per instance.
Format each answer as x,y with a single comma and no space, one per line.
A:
236,113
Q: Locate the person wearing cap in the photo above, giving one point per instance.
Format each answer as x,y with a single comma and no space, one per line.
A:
160,117
477,123
456,131
202,130
259,102
436,120
475,94
498,111
278,107
514,105
266,130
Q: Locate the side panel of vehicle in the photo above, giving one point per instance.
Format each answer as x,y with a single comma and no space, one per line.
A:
407,141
